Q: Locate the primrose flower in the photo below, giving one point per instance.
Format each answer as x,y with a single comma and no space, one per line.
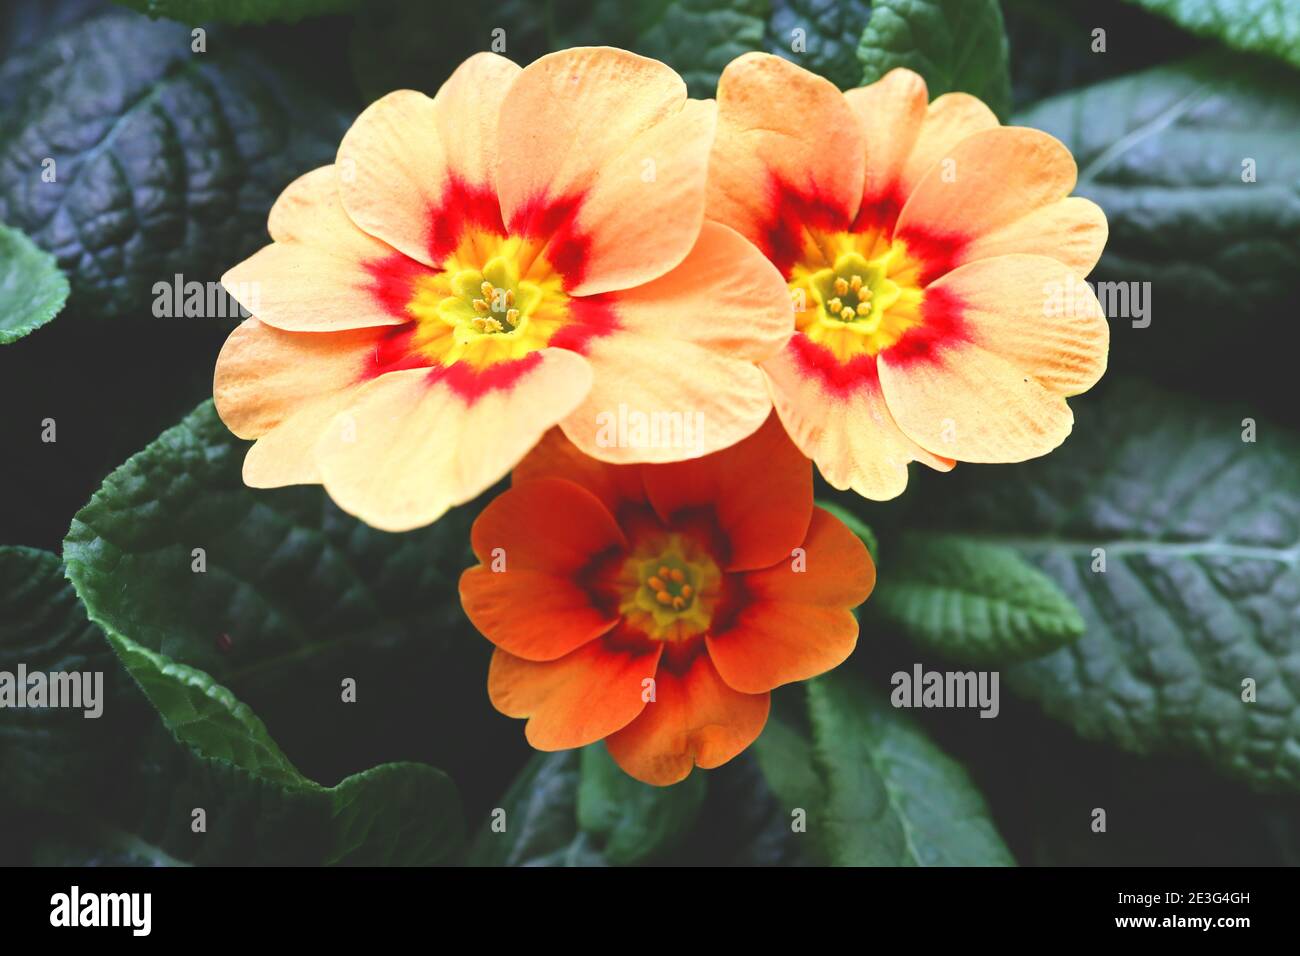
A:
655,606
935,260
526,248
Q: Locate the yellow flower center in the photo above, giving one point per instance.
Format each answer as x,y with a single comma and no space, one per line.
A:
497,299
856,294
671,588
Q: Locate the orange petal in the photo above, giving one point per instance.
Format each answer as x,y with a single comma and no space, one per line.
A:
996,177
948,120
760,490
610,137
416,172
1036,313
677,380
265,374
322,273
419,441
575,700
844,425
557,457
286,455
1072,230
994,390
798,624
789,153
694,720
891,112
533,540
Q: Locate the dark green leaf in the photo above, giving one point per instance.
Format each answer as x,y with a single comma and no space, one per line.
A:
536,822
972,601
891,797
954,44
1256,26
1165,153
238,11
1199,532
828,41
165,161
285,594
32,289
634,822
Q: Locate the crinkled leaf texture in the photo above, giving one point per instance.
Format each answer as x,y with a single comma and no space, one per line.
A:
972,601
954,44
1255,26
873,788
283,590
164,161
1199,535
32,289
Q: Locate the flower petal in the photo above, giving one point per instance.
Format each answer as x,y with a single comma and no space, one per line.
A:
532,541
322,273
417,172
286,455
844,424
798,624
1072,231
994,390
677,379
694,720
789,154
557,457
760,490
579,698
265,374
948,120
425,440
891,112
606,160
997,176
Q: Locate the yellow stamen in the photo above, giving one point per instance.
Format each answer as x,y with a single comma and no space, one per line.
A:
846,313
512,316
487,290
677,575
656,584
663,571
678,604
864,308
841,287
663,597
835,304
855,283
510,296
480,305
686,591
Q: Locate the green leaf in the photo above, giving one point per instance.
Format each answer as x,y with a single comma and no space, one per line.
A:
700,37
536,822
876,791
892,797
1200,536
137,160
32,289
954,44
854,524
634,822
1164,153
1254,26
49,753
830,30
283,592
972,601
238,11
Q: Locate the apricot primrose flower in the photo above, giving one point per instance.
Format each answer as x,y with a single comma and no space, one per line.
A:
927,250
656,606
526,248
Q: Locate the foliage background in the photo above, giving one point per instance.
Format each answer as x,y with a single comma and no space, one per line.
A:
168,163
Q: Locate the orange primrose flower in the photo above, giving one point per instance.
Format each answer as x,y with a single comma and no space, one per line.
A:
655,606
526,248
935,260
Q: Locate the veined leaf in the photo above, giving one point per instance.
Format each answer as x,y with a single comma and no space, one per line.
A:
32,289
